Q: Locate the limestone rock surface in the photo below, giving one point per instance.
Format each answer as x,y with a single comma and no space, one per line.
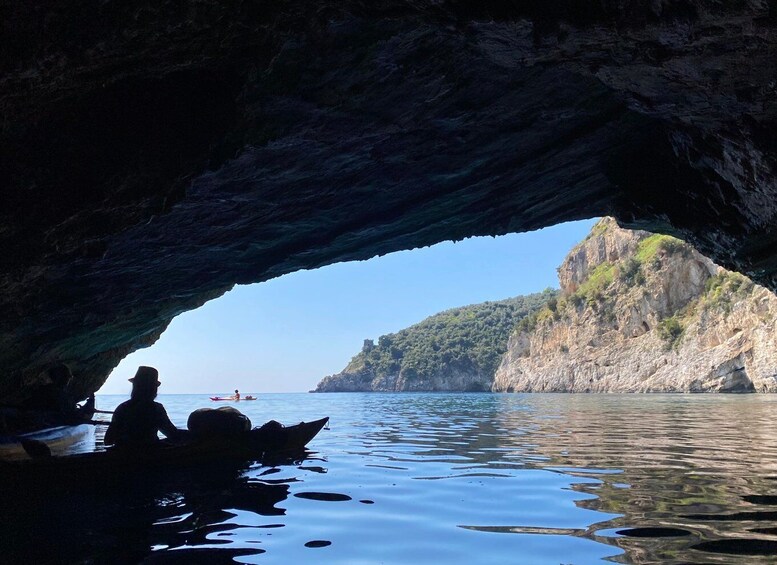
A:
644,313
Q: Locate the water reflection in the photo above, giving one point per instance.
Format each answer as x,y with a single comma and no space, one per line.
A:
474,478
692,468
179,517
682,472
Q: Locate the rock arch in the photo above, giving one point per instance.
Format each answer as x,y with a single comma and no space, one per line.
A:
151,158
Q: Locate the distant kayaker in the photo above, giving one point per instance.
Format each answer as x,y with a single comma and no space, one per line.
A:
237,395
137,421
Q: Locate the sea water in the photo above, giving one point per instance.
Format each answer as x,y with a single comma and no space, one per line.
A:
446,478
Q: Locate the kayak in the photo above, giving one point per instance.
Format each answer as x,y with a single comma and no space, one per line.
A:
254,445
281,439
249,397
17,420
57,438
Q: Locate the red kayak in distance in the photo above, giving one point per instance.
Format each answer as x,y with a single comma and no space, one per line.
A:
249,397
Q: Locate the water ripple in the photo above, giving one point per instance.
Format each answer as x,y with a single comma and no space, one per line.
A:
458,478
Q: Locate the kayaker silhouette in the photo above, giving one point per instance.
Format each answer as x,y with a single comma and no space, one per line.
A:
137,421
237,395
56,399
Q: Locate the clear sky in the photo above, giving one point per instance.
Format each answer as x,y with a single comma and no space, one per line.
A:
284,335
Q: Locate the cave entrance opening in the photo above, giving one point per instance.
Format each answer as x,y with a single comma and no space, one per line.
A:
285,334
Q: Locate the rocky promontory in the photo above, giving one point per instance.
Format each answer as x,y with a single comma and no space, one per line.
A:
637,312
640,312
456,350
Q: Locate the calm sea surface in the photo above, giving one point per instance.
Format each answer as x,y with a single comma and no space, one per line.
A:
446,478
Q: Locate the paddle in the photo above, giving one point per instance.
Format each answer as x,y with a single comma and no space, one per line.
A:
103,411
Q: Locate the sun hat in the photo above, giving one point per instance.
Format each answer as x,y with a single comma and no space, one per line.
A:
145,376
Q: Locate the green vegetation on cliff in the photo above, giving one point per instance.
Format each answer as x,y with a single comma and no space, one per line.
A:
725,288
721,292
471,338
648,248
638,312
671,330
608,281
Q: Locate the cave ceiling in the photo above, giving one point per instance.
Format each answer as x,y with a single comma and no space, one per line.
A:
154,154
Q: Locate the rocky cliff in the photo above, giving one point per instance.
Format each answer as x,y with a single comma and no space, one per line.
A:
455,350
645,313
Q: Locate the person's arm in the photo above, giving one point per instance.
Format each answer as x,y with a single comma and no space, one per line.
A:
87,409
166,426
110,433
114,428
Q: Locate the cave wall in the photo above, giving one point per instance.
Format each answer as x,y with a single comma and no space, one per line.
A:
154,154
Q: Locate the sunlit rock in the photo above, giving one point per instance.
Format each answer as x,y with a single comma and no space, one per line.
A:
651,315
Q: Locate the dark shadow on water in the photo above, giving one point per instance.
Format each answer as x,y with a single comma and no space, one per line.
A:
653,532
173,517
324,496
205,556
735,517
766,500
318,543
739,546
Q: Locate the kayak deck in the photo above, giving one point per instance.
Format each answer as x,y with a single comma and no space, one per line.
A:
59,439
254,445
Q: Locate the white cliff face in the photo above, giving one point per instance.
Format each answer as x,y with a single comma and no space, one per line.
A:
605,244
642,313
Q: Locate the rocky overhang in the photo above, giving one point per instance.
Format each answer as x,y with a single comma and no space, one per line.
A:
154,154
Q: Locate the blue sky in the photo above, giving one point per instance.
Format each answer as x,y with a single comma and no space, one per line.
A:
284,335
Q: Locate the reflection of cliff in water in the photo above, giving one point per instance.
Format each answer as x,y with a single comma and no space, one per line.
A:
649,478
683,490
450,428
